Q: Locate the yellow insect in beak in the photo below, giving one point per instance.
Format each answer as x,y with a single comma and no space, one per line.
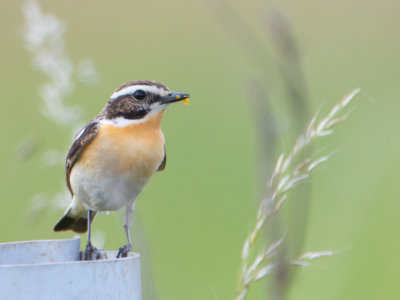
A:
186,100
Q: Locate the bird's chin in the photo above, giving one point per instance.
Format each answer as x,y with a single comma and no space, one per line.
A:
157,107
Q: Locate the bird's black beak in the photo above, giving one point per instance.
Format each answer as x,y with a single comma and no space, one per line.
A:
173,97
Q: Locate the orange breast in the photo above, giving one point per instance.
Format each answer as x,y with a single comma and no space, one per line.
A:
136,148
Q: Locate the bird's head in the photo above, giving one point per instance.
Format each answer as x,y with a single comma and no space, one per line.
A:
137,99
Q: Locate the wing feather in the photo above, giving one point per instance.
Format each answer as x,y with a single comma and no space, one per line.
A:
84,137
164,162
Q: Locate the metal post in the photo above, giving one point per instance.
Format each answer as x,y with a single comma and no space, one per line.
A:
52,269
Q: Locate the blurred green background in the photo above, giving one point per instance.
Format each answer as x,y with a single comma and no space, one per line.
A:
192,219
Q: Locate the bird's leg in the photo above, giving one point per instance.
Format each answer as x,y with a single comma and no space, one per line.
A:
90,252
123,251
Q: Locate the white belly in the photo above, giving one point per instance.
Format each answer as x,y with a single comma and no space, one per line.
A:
104,191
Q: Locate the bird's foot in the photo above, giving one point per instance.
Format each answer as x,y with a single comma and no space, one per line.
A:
90,253
123,251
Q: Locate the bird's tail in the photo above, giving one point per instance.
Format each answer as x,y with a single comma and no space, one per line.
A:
75,218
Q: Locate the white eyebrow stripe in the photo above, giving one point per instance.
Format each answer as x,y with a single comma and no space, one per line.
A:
131,89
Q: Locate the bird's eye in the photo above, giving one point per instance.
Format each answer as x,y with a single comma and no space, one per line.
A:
139,94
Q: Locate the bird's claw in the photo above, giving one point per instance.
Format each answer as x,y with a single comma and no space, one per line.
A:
123,251
90,252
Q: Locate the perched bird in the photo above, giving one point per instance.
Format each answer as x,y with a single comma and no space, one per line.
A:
113,157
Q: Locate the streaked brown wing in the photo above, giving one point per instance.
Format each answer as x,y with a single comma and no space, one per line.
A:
84,137
164,162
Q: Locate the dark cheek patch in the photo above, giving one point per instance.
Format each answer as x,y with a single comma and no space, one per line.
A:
133,115
126,107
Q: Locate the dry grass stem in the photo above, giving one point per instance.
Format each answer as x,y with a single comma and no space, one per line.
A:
304,259
287,174
44,38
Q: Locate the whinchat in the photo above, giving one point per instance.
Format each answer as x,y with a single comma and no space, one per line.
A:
113,157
